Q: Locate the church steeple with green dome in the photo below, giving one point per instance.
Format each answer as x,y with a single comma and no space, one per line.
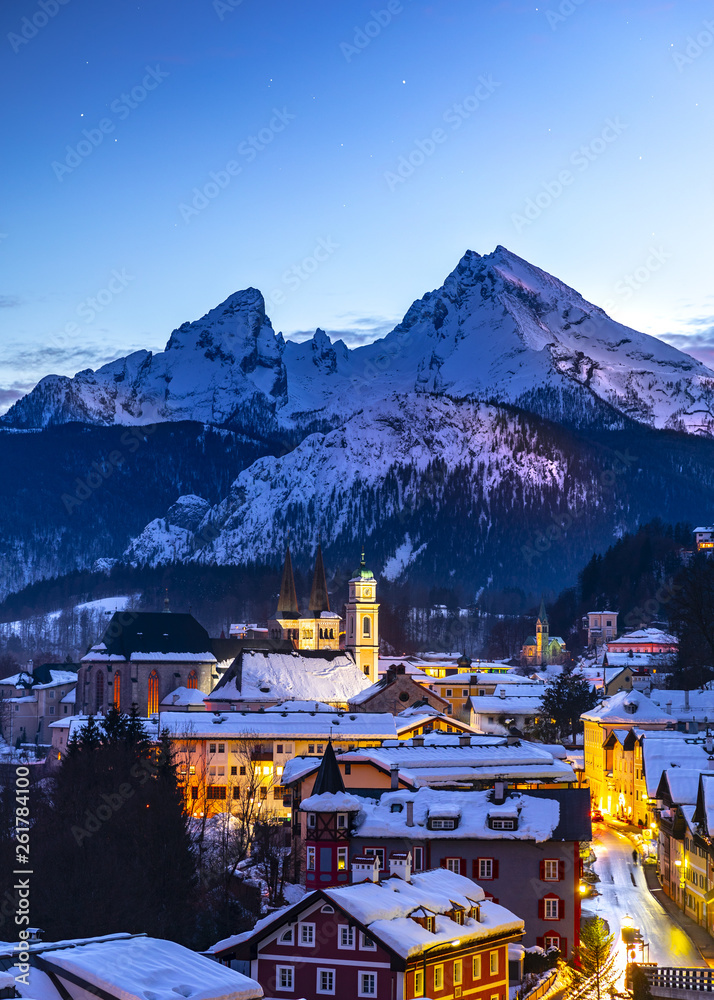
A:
362,636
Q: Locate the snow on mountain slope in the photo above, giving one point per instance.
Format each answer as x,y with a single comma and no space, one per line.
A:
498,329
315,488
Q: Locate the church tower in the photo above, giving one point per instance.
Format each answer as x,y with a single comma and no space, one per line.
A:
286,624
320,627
362,633
542,636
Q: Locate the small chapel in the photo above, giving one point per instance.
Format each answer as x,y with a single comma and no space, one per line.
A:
543,648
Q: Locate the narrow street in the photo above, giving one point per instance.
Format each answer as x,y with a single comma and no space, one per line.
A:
669,945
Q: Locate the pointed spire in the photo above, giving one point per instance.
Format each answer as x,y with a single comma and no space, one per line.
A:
542,614
287,602
319,598
329,777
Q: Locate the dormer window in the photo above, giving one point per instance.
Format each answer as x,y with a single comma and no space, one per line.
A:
430,924
503,824
442,823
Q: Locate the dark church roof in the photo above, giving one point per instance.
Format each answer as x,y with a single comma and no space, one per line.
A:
130,632
287,602
329,776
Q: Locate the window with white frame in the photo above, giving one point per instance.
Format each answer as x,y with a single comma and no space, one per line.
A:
379,852
311,820
493,963
550,909
342,859
367,984
286,937
418,859
325,981
284,977
366,943
346,937
453,865
306,934
552,941
485,867
310,857
341,821
551,872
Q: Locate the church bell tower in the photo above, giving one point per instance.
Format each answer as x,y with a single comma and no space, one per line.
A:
362,626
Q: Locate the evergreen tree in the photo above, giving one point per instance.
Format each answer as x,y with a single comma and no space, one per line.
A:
112,839
565,700
595,975
640,984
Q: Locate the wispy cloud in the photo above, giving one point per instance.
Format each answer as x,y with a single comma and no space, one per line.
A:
10,301
56,360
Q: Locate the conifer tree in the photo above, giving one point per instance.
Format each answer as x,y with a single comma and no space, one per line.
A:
565,700
595,975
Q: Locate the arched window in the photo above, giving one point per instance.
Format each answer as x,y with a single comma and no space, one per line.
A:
332,633
116,691
192,682
99,691
367,627
153,694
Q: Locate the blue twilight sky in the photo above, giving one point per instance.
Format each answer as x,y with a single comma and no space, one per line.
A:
228,140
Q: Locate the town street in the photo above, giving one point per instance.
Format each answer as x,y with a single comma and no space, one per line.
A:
669,945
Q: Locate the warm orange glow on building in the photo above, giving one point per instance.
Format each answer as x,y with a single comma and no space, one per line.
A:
153,694
116,691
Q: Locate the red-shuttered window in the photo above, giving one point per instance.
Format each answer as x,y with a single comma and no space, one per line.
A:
551,907
553,940
552,870
485,868
457,865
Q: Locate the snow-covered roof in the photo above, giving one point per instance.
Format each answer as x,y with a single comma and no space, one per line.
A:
495,705
184,696
285,725
333,677
705,803
643,635
143,968
23,678
682,784
538,817
99,654
332,802
423,715
384,908
659,755
297,705
629,708
685,705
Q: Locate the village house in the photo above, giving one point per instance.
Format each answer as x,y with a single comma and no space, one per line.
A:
395,691
32,699
396,937
644,640
503,838
625,710
704,538
601,627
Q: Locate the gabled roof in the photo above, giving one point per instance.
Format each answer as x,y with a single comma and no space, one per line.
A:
704,809
383,911
679,786
133,634
630,708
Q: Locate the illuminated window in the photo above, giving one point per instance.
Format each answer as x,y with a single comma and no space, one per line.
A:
192,682
419,983
311,859
99,690
476,967
153,694
342,859
493,963
458,972
438,977
116,692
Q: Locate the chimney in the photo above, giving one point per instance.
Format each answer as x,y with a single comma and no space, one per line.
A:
410,812
365,870
668,707
417,741
686,701
709,743
401,865
499,793
464,740
393,777
502,693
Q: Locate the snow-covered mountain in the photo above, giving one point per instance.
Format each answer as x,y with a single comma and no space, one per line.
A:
498,329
